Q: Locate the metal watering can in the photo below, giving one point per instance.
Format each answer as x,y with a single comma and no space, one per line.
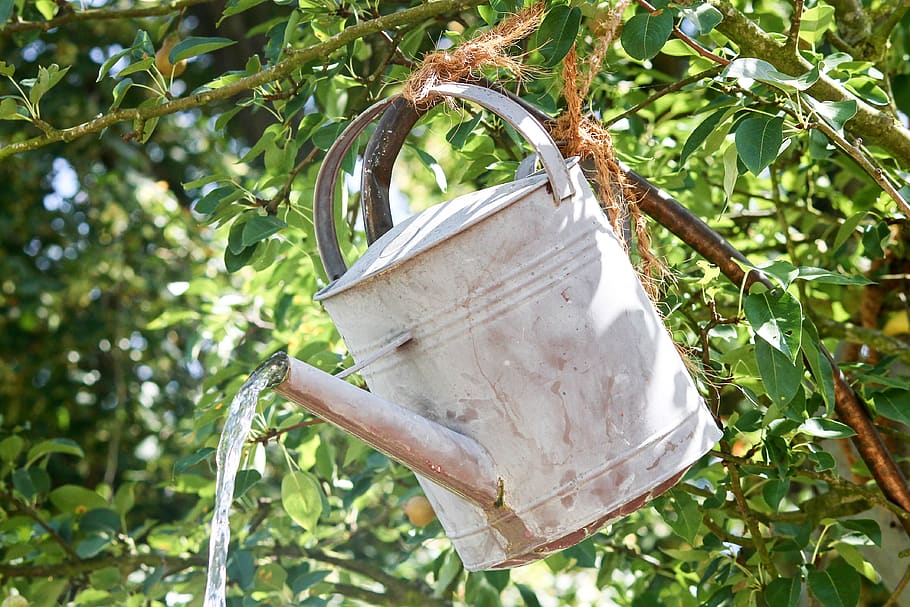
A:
515,362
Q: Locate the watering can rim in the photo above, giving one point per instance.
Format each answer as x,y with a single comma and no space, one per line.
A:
370,265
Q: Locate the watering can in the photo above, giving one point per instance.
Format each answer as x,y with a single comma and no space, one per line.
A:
514,360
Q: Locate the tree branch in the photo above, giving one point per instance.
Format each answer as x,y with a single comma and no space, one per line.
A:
296,59
795,21
751,524
672,88
78,566
99,14
870,124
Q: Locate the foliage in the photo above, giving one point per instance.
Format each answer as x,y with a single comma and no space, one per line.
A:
158,244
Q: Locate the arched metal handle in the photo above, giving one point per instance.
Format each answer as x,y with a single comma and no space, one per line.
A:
510,111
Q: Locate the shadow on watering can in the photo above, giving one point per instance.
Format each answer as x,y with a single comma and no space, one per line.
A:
515,362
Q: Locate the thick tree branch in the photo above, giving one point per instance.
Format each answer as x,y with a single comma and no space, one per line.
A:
283,69
870,124
795,21
99,14
852,22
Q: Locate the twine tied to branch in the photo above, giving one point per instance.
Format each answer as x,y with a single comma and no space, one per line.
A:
580,135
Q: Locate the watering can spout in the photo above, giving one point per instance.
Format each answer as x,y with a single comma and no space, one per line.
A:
450,459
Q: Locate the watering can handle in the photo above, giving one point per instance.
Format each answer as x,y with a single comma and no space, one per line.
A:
510,111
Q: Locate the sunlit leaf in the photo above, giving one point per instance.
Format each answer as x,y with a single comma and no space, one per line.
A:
826,428
758,140
836,586
557,32
195,46
645,33
301,498
780,377
777,320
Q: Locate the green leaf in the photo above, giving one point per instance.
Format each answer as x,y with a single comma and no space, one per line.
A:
528,596
185,463
815,22
260,227
207,204
558,32
54,445
428,161
270,577
762,71
74,499
6,69
458,134
138,66
110,62
234,7
781,378
700,133
683,515
11,447
783,592
197,45
855,559
93,545
864,527
867,89
818,364
704,17
48,78
301,498
823,427
774,490
835,113
498,578
47,8
823,276
645,33
6,11
244,480
731,172
836,586
847,228
120,92
777,320
234,261
758,141
894,404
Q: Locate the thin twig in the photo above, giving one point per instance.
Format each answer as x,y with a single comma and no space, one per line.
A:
853,151
275,432
662,92
793,35
746,512
892,600
285,193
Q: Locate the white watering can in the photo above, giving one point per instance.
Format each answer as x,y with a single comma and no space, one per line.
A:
515,362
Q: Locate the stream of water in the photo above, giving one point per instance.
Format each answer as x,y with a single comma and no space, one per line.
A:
230,447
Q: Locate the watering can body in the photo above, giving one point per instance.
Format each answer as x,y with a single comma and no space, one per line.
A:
537,393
